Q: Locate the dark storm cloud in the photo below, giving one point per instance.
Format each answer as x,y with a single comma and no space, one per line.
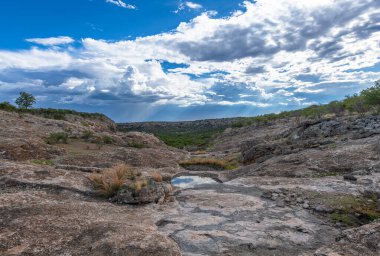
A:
255,70
49,78
291,33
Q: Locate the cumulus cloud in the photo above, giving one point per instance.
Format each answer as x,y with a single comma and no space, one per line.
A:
51,40
270,53
121,4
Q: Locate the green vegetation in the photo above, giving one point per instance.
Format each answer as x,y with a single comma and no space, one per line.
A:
198,139
107,139
371,96
57,114
135,144
6,106
59,137
354,211
87,135
325,174
100,142
25,100
366,101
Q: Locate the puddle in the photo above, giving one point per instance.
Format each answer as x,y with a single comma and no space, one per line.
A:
191,181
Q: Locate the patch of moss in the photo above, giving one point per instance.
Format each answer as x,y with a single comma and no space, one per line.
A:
325,174
353,211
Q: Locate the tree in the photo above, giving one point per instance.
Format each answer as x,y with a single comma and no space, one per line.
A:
25,100
372,95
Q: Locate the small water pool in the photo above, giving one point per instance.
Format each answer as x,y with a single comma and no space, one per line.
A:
191,181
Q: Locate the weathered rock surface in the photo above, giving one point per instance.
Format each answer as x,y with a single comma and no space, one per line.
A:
45,211
281,203
229,219
312,148
364,240
23,138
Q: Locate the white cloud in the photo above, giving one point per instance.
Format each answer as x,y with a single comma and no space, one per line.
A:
121,4
273,52
188,5
192,5
34,59
51,40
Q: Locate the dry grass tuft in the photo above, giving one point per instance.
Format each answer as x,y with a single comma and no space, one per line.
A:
138,185
111,180
218,164
156,177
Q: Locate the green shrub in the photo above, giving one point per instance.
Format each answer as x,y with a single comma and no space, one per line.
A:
198,139
238,125
59,137
371,96
335,107
6,106
58,114
107,139
355,103
87,135
135,144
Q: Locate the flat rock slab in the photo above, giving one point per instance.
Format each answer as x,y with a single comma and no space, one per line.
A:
225,219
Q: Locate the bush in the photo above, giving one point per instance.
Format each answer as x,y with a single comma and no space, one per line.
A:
371,96
355,103
107,139
6,106
60,137
58,114
87,135
112,180
336,108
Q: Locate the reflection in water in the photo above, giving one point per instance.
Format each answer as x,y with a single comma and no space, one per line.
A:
191,181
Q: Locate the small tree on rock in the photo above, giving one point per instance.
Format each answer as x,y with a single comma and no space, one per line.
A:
25,100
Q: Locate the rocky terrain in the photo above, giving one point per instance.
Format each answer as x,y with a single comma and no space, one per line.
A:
287,187
152,127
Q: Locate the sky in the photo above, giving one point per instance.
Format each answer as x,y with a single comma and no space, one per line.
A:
171,60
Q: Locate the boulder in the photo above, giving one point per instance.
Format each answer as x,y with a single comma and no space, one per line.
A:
152,193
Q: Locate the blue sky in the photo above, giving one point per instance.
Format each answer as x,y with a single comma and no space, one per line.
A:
142,60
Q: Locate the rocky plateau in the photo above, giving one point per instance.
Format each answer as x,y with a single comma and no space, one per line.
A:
299,187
